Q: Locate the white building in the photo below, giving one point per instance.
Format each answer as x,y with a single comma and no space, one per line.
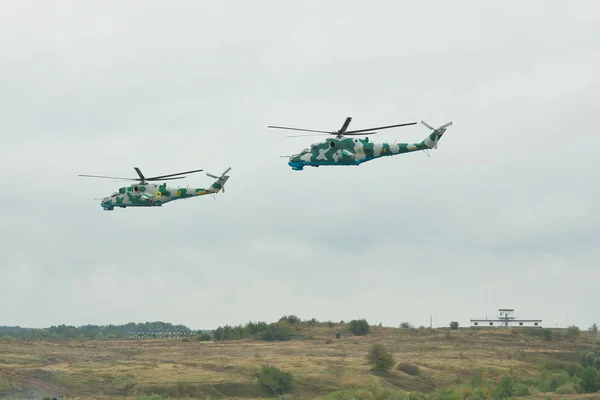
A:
506,318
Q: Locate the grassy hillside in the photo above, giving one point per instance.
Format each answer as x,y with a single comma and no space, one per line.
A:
462,361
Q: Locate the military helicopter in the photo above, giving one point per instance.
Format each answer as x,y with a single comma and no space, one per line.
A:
144,194
348,151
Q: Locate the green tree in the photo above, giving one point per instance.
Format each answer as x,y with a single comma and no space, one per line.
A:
290,319
277,332
573,332
589,380
593,328
453,325
218,334
592,358
359,327
380,358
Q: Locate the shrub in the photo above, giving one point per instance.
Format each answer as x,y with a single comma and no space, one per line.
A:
359,327
567,388
593,328
274,380
405,325
547,335
572,369
409,369
521,390
204,337
453,325
573,332
151,397
228,332
374,390
380,358
591,358
505,388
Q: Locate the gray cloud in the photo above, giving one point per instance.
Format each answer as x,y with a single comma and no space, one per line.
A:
500,215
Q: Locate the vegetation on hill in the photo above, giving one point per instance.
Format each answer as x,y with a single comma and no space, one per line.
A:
291,358
286,328
90,332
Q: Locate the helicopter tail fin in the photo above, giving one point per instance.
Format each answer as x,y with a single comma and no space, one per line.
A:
219,184
431,141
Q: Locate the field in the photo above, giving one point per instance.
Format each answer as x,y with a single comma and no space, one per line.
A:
319,363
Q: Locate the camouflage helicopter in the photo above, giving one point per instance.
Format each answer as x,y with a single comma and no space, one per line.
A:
144,194
348,151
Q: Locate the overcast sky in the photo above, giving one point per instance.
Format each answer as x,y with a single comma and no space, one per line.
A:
501,215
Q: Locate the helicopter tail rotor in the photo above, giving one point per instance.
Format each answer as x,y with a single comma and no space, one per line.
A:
220,181
438,133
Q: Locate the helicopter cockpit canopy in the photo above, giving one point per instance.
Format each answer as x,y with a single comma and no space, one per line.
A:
312,147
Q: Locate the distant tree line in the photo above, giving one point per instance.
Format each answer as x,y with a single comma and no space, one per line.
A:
93,332
275,331
279,331
286,328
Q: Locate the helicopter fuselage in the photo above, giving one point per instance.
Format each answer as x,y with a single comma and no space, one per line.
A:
351,151
153,195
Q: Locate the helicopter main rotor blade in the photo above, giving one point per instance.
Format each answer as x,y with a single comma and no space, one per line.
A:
314,134
357,134
162,179
339,134
379,127
345,126
139,173
169,175
298,129
109,177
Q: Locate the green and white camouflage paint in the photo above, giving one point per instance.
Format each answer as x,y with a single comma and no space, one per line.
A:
145,194
353,151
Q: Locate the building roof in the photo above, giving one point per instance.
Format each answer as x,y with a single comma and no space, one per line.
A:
503,320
